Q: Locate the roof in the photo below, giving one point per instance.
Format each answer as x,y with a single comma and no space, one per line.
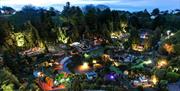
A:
91,73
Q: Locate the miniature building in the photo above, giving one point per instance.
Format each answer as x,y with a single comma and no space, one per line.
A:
91,75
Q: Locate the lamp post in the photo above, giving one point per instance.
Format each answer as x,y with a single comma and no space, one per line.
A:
112,79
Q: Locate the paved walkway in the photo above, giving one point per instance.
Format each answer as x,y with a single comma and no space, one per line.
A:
64,62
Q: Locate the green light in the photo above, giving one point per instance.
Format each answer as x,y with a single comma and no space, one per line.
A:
62,80
147,62
68,79
86,56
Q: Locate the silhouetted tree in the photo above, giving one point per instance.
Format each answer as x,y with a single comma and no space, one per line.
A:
155,11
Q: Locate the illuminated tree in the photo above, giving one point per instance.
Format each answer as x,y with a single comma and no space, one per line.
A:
62,36
7,87
123,22
20,39
124,25
8,80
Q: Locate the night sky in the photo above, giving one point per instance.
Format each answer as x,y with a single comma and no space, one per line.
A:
129,5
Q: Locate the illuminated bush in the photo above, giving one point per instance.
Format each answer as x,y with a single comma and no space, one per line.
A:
7,87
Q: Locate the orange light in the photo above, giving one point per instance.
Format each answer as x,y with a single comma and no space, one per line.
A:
61,86
137,47
154,79
97,65
169,48
162,63
84,67
105,57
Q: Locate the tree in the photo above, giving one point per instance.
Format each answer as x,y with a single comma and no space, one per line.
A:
73,21
123,22
30,34
76,85
5,30
91,19
28,8
160,73
8,10
65,11
134,21
172,76
155,11
116,20
155,36
52,11
8,80
177,49
159,21
46,26
134,36
2,37
62,36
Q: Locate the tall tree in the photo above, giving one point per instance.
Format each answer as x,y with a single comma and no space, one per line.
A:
155,11
91,19
134,21
8,10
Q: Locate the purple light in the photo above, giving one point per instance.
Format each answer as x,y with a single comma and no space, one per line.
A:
112,77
